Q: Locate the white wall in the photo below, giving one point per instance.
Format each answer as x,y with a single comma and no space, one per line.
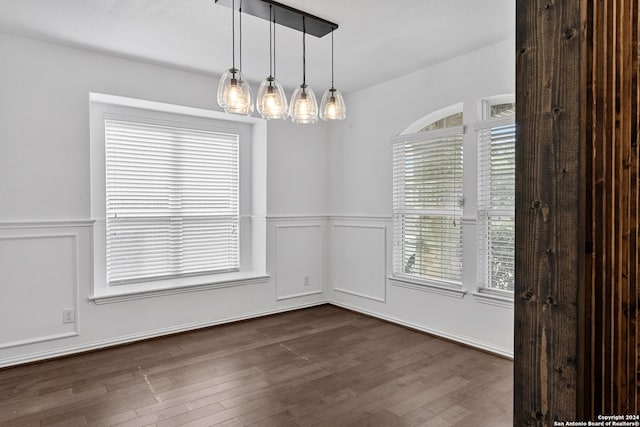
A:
45,232
361,197
343,169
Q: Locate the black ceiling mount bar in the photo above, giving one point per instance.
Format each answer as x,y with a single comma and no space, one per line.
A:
285,15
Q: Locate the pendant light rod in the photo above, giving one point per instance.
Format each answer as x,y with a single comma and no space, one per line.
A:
270,44
331,59
274,44
240,22
304,53
287,16
233,34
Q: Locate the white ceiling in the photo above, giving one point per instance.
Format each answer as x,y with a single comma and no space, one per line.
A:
377,40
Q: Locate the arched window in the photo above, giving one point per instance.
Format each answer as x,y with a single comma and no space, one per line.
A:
443,118
428,193
427,202
449,121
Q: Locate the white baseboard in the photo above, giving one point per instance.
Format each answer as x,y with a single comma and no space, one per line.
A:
501,351
128,339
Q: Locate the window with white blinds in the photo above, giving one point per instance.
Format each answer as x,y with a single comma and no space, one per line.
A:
496,201
172,201
427,205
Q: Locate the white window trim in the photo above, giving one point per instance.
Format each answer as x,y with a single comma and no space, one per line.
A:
494,297
252,214
432,286
483,293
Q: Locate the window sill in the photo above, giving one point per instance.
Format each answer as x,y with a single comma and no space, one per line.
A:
150,290
495,299
427,287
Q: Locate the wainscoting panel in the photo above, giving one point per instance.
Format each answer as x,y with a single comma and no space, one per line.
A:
300,260
359,260
39,279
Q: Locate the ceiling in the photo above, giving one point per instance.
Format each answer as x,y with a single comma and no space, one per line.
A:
377,40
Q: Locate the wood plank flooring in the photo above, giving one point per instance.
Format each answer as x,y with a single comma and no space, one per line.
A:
322,366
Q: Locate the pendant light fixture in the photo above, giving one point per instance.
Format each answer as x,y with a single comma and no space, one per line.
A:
234,93
272,102
303,108
332,106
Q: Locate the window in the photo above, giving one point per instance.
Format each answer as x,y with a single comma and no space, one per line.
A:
427,204
172,205
445,122
178,196
496,197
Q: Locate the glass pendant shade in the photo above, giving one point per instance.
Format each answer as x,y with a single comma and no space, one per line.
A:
332,106
272,102
234,93
303,108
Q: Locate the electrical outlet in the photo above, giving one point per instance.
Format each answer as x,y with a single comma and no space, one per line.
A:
68,315
306,281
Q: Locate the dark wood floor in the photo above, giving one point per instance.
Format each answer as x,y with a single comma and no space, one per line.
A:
321,366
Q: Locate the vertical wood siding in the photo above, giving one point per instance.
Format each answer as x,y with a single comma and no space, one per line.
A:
550,202
613,293
576,345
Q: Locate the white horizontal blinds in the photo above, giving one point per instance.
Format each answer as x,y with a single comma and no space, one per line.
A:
496,203
171,201
427,180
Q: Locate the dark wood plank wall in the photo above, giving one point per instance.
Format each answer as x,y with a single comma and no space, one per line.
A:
612,297
576,345
549,210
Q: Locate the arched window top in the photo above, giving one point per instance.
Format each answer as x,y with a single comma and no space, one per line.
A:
450,116
449,121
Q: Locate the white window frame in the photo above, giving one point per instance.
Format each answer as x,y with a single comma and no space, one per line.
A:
486,124
398,276
252,194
